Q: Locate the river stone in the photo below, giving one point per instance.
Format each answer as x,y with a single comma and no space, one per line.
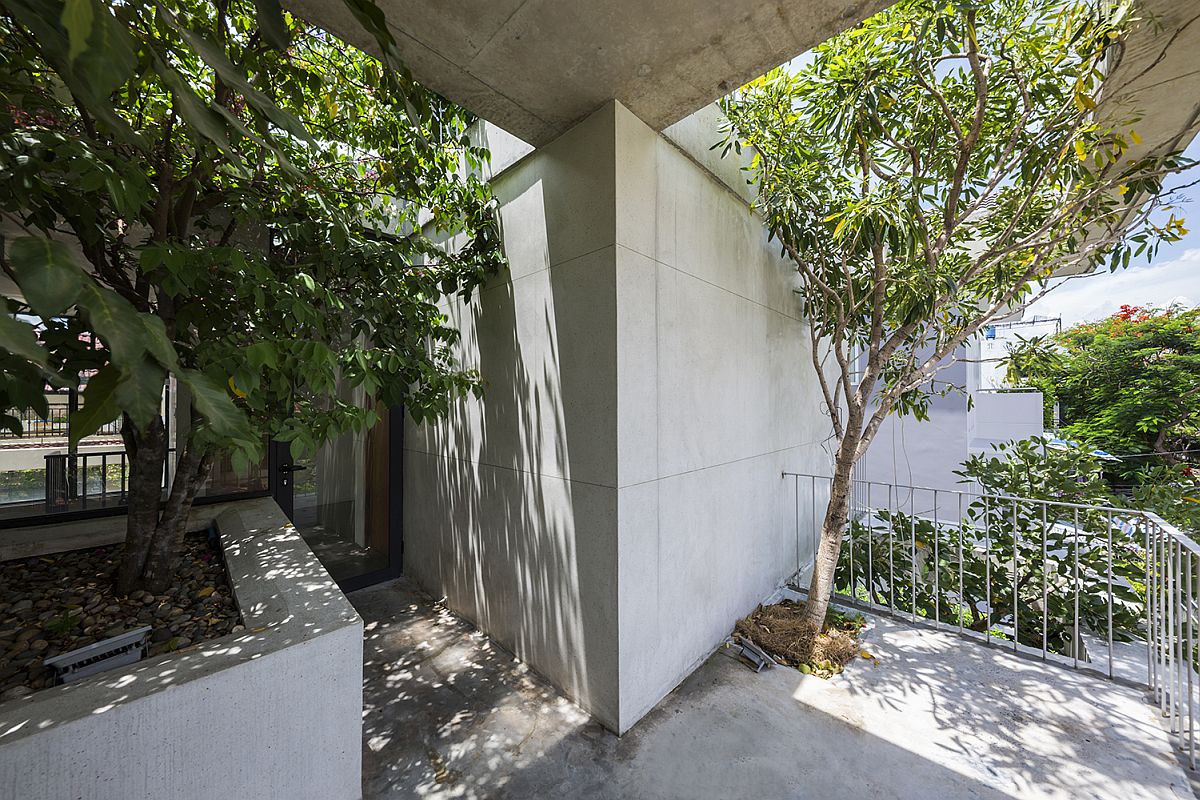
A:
51,606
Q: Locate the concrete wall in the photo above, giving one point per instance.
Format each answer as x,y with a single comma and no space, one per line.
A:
715,399
510,503
273,711
614,502
1003,416
910,452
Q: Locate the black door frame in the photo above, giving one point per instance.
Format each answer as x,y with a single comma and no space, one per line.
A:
280,464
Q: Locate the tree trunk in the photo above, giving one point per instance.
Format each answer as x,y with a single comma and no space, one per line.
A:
147,451
163,555
833,528
1160,447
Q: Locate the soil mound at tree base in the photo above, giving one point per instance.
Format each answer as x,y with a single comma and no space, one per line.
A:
779,630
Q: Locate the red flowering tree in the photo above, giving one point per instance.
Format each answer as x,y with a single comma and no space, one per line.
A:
1128,384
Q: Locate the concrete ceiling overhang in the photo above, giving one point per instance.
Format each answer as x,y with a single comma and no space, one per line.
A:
1157,77
1154,85
536,67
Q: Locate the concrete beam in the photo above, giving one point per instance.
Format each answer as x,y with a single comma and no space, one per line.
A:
1157,77
536,67
1154,85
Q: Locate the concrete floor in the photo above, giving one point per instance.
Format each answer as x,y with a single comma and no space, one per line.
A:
448,714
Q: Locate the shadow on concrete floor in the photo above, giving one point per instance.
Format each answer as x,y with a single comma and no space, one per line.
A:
448,714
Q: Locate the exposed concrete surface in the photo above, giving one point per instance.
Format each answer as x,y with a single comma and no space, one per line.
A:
271,711
511,499
715,399
643,361
449,714
1156,78
536,67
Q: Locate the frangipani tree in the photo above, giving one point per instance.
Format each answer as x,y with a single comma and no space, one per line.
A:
923,172
219,192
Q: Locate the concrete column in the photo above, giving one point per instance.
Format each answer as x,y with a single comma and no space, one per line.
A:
614,502
714,400
510,503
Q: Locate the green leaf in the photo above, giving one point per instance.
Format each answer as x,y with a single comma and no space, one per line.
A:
109,58
270,22
19,339
46,273
262,354
78,17
99,404
213,403
157,343
139,392
115,321
105,64
195,112
235,77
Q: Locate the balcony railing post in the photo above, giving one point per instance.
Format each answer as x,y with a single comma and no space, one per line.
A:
796,492
1075,572
1015,578
1177,602
1191,660
1045,587
912,562
1161,608
891,551
1151,609
1109,524
987,564
962,584
853,506
937,566
870,541
815,535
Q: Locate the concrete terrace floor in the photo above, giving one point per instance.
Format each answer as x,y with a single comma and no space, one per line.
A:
449,714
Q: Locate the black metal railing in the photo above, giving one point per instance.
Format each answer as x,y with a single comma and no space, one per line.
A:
75,480
54,425
90,480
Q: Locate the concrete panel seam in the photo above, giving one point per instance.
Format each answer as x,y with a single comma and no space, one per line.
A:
710,283
499,28
467,69
712,176
513,281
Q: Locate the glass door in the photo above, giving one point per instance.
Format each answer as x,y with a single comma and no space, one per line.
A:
341,502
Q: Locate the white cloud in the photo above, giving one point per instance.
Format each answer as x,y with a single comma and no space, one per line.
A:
1102,294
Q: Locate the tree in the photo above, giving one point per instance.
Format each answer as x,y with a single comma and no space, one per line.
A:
921,172
1128,384
224,194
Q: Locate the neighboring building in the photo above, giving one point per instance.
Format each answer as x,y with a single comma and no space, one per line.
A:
993,347
926,454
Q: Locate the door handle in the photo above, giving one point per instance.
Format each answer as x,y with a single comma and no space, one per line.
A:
285,468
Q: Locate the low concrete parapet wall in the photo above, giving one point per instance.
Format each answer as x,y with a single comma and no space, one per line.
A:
272,711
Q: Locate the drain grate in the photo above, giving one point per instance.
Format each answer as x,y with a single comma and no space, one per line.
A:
120,650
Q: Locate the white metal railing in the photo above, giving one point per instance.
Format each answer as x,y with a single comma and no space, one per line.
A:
1102,588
